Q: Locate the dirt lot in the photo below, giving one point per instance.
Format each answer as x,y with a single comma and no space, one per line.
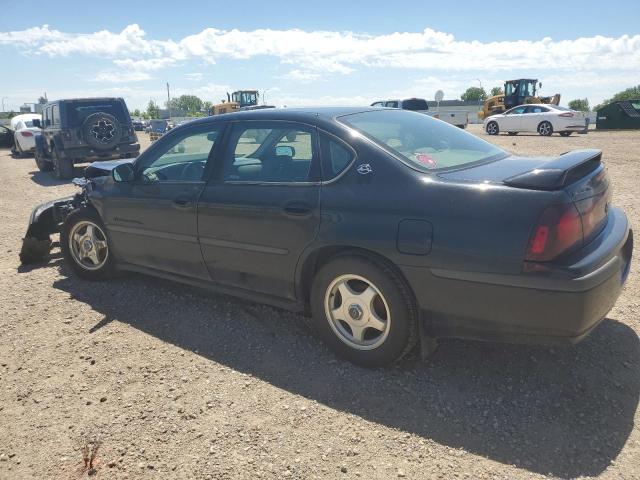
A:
179,383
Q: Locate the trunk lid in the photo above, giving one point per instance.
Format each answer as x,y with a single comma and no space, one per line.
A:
579,174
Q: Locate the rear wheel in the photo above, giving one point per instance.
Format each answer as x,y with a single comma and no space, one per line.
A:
364,311
62,167
85,246
565,134
492,128
42,163
19,149
545,129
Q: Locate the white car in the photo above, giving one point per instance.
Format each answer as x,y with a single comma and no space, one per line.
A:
544,119
24,132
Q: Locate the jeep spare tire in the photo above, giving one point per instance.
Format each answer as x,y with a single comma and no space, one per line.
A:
101,130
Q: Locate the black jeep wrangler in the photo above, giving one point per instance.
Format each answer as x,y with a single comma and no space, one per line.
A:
84,130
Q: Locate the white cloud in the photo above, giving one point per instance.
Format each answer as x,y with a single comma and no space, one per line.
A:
428,60
336,52
120,77
145,64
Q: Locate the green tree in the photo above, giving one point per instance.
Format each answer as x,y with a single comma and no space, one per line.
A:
497,91
152,110
474,94
631,93
579,104
135,113
187,103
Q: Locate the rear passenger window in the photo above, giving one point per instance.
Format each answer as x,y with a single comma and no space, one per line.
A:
273,153
336,157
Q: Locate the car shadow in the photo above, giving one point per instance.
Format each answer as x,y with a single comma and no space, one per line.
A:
565,411
46,179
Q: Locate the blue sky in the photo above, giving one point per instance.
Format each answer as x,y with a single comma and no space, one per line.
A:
325,52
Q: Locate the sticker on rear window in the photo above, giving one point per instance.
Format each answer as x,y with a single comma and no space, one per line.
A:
426,160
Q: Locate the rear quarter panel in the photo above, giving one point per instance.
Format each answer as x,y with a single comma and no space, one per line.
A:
476,227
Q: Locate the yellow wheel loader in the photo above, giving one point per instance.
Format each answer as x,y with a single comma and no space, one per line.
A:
516,92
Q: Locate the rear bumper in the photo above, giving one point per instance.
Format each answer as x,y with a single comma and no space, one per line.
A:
88,154
560,305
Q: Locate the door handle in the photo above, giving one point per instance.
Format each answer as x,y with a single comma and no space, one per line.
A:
297,208
182,201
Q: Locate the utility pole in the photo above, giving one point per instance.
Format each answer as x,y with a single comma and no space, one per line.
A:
168,101
3,98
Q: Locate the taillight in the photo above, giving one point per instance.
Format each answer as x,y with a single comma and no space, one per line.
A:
558,231
26,134
566,114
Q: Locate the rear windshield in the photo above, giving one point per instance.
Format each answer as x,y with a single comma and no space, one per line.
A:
78,111
421,141
28,123
415,104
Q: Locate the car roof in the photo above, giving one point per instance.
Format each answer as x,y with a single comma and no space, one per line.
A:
93,99
305,114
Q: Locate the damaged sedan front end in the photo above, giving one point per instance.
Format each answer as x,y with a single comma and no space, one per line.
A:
47,218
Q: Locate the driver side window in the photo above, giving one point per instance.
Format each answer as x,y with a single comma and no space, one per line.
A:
184,160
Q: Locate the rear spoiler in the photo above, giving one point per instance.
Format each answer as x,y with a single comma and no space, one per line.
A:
558,172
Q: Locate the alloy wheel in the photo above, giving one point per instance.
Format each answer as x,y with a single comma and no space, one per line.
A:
544,129
88,245
357,312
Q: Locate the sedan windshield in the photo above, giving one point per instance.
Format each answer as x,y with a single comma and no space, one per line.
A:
421,141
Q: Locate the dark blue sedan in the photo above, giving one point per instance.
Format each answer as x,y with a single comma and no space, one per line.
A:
390,227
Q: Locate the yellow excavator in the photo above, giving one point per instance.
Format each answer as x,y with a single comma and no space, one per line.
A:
516,92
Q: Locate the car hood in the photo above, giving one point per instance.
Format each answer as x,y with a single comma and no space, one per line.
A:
102,169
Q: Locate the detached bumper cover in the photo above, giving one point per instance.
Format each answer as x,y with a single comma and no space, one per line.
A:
560,305
44,220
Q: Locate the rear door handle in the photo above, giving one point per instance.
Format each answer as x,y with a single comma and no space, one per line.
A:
297,208
182,201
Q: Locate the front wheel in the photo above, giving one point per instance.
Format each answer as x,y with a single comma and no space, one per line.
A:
364,311
545,129
85,245
492,128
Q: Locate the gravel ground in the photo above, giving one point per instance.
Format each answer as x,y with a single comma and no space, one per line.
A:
179,383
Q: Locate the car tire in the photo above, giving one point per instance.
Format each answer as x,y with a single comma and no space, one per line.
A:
85,245
380,324
42,164
565,134
493,128
545,129
20,152
62,167
512,133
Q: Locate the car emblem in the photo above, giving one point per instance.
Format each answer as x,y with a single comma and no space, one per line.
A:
364,168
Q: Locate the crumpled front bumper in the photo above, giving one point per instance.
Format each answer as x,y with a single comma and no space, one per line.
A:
45,219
